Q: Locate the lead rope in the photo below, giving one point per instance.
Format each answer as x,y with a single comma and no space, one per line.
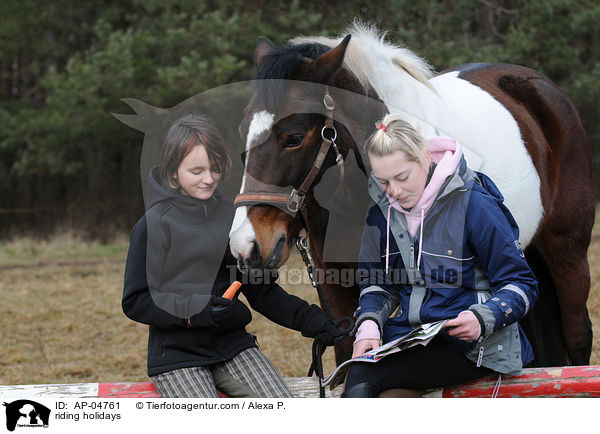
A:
318,348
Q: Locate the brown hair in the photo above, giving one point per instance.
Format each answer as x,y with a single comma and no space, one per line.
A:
187,132
395,134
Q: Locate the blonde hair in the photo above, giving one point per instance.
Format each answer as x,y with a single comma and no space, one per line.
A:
395,134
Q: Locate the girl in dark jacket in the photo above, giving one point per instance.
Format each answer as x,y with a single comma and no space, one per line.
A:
178,267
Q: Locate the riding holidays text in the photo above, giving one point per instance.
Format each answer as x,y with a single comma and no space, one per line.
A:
65,415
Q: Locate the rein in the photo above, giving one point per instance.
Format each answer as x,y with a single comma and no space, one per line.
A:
318,348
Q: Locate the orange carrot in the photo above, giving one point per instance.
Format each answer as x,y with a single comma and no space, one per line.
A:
232,290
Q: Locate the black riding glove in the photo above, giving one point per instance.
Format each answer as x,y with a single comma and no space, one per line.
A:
318,325
331,334
217,311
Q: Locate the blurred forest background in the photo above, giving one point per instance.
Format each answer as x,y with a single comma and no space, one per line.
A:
65,161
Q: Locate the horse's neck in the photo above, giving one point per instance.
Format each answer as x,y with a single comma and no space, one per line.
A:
415,102
336,216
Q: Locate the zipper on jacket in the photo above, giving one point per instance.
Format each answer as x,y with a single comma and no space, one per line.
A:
481,350
412,254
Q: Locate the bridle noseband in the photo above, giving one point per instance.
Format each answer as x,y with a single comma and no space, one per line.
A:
294,200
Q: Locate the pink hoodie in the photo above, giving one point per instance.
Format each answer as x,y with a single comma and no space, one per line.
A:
446,153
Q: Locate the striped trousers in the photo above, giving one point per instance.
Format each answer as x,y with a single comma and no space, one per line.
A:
249,374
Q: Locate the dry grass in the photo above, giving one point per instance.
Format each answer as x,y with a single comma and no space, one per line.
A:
61,319
63,246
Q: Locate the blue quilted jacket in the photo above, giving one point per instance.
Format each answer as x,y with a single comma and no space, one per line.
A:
470,258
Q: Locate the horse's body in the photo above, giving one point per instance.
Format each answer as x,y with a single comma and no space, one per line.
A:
516,126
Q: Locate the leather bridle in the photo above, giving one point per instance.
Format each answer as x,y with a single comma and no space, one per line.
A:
294,200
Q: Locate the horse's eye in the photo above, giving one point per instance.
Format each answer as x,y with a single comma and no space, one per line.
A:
292,141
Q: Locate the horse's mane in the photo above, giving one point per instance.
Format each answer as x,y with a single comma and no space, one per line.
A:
368,51
368,57
279,65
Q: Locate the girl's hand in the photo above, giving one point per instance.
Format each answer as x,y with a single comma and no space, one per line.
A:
364,345
465,326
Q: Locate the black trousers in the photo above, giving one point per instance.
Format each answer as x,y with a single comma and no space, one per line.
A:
440,363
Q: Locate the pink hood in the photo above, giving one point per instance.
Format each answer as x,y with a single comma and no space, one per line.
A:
446,153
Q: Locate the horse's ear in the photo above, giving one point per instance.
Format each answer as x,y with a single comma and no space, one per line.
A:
326,64
263,47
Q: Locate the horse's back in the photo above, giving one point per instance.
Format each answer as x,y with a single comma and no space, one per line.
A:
483,120
550,126
531,97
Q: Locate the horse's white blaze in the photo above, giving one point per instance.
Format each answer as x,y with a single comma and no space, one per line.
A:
241,238
261,121
242,233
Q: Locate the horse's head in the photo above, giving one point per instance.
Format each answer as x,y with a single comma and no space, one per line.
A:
284,130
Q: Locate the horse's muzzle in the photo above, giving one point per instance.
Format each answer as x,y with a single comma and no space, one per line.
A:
252,261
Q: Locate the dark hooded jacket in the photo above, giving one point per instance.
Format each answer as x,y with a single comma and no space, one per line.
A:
178,259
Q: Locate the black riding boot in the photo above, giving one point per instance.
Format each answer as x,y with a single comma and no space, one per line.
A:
361,390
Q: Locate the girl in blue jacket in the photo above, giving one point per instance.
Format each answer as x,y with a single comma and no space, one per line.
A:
438,244
178,267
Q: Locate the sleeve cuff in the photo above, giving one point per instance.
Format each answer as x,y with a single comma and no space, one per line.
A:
486,318
368,330
480,319
367,316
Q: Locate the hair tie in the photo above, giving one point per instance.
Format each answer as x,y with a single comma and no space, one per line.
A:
381,126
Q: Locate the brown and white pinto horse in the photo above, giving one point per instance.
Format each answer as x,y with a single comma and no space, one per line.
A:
515,125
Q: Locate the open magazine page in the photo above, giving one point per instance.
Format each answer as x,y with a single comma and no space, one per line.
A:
422,335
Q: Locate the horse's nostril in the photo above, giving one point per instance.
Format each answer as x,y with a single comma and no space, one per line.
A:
277,253
242,265
254,259
280,245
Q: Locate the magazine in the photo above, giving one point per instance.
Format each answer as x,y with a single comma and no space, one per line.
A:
422,335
